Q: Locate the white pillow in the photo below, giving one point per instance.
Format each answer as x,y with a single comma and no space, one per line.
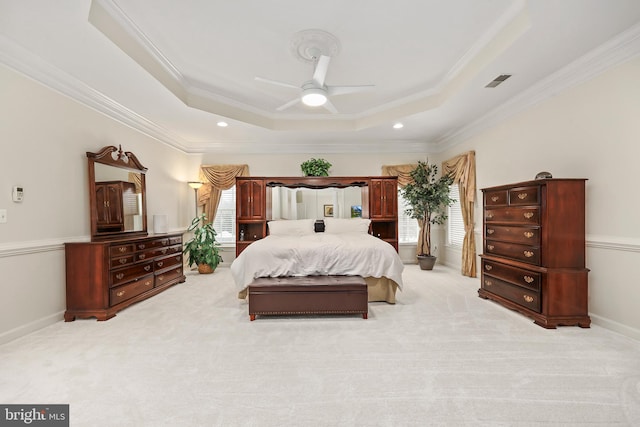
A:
346,225
291,227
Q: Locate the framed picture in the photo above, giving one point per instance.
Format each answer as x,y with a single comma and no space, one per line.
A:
356,211
328,210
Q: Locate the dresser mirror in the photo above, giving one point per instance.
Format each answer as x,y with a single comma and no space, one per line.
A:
307,203
117,198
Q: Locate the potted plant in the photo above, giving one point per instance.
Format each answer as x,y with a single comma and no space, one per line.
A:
203,249
315,167
428,199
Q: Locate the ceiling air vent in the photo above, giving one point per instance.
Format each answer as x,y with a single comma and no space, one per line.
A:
495,82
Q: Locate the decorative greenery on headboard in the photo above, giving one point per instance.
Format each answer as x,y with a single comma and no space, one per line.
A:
315,167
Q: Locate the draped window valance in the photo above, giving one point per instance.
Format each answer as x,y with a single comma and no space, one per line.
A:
217,178
401,171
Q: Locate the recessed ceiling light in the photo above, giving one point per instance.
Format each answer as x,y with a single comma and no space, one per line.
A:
223,124
398,126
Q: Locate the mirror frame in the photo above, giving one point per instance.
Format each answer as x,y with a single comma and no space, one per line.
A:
319,182
124,160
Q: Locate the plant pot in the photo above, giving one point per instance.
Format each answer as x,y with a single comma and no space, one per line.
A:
426,262
205,269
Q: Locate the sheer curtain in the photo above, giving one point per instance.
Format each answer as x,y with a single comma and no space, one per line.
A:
217,178
463,170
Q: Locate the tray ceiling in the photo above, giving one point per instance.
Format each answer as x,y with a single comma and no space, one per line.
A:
176,69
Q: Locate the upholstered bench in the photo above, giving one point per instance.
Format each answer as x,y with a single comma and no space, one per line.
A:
308,295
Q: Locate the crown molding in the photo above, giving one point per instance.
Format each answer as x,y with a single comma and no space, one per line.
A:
313,147
618,50
19,59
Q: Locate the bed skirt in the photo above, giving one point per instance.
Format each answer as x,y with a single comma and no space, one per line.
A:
378,289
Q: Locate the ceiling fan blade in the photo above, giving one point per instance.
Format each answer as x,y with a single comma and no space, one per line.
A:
330,107
343,90
320,73
288,104
277,83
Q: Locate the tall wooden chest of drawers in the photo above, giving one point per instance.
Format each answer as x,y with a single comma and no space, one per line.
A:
105,277
534,250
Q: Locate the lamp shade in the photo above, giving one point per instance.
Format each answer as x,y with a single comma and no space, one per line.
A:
195,184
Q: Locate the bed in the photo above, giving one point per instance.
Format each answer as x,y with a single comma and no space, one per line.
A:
293,248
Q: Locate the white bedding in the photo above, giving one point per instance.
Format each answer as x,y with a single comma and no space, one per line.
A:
317,254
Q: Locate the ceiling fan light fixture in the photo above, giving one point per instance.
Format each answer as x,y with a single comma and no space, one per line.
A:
314,97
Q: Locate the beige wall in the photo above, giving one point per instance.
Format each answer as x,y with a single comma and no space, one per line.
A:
360,164
44,138
590,131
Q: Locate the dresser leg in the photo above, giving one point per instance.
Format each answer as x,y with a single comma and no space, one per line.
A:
252,317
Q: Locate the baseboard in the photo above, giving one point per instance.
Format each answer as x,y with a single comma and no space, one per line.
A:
24,330
614,326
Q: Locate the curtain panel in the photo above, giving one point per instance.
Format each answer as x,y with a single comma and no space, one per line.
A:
217,178
463,170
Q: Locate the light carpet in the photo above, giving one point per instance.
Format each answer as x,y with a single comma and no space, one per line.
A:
440,356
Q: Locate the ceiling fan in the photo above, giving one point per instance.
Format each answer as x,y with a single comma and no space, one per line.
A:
314,92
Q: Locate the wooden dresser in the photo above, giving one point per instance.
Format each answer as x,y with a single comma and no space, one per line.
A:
107,276
534,250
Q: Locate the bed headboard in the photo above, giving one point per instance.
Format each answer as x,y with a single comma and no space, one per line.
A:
378,196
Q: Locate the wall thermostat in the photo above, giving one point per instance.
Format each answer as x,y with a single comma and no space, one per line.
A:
18,193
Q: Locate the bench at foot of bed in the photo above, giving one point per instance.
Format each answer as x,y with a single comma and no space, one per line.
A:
308,295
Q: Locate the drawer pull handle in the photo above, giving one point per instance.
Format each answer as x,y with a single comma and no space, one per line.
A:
160,278
528,298
160,263
178,270
528,279
490,247
522,196
178,258
122,261
488,283
147,267
141,246
163,251
495,198
488,267
121,293
528,234
490,231
148,283
142,256
122,249
528,215
528,254
489,215
119,276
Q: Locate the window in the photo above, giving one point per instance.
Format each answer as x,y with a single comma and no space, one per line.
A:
455,227
407,226
225,220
